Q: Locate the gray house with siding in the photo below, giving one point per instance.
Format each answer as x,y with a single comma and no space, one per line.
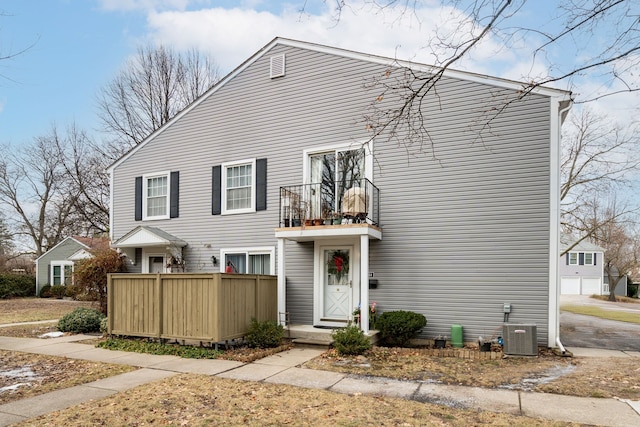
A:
274,171
582,270
56,266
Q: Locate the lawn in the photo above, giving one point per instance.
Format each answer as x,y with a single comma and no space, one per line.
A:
36,309
621,316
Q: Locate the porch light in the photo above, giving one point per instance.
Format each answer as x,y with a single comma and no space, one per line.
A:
214,260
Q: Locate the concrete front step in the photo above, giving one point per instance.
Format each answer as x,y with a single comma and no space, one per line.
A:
308,334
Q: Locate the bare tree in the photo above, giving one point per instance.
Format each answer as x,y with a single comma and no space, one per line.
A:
33,185
602,35
150,90
11,54
615,233
84,168
598,157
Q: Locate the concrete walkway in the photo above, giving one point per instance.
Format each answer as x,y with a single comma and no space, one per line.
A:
284,368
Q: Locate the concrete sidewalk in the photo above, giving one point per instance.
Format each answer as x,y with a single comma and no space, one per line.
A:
284,368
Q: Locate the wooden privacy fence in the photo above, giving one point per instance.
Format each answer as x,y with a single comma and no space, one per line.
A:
211,307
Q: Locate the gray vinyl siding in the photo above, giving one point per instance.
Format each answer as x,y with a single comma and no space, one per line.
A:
64,250
462,234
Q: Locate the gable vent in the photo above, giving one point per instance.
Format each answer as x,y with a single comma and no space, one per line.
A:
277,66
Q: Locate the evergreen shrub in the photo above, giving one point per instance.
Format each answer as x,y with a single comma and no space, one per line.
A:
397,328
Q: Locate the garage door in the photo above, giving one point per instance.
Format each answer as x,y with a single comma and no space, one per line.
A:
591,285
570,286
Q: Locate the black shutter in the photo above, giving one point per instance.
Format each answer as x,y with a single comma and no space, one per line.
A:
174,195
261,184
594,258
567,256
138,207
581,258
216,190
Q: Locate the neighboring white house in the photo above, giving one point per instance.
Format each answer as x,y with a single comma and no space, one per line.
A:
230,181
582,270
55,267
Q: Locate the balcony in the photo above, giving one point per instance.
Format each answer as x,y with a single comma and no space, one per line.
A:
329,209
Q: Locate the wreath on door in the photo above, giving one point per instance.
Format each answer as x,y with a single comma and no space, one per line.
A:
338,264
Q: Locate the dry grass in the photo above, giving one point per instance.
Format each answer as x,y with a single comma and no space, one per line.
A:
36,309
203,400
24,375
587,377
620,316
618,298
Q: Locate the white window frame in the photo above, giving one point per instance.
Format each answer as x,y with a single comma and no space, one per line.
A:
585,258
225,168
62,265
368,157
145,181
576,261
265,250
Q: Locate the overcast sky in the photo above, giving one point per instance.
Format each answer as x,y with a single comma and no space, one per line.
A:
76,46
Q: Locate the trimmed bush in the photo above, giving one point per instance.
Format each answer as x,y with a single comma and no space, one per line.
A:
350,340
104,325
45,292
265,334
17,286
397,328
81,320
58,291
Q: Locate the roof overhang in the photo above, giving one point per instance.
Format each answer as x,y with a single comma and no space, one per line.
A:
143,236
80,255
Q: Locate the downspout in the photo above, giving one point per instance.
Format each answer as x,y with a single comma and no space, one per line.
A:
563,111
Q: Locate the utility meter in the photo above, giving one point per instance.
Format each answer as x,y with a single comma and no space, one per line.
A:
507,307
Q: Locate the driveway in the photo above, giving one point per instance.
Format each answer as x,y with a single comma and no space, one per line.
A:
577,330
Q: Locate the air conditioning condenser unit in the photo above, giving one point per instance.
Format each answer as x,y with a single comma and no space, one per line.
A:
520,339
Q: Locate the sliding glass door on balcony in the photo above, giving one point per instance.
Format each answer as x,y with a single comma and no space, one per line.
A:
330,175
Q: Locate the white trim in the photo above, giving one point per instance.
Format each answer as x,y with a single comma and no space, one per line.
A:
343,146
318,278
145,179
282,280
111,205
62,264
257,250
62,242
223,186
555,123
155,252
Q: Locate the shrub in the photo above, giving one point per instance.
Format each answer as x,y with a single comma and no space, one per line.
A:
81,320
104,325
91,274
72,291
632,290
58,291
397,328
265,334
17,286
45,291
350,340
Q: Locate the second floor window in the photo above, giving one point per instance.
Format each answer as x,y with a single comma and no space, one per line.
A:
581,258
239,187
156,196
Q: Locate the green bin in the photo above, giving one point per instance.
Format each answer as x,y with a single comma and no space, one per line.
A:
456,336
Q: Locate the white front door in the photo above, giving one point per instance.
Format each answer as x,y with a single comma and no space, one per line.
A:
335,274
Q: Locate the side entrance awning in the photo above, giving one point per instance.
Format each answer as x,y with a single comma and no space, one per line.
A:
143,236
